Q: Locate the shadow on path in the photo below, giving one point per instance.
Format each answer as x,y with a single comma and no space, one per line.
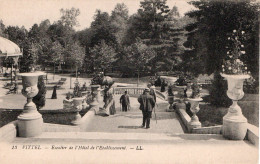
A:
130,127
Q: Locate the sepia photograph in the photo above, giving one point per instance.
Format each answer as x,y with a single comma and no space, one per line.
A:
129,81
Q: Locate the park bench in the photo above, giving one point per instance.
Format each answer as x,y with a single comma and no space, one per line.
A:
61,82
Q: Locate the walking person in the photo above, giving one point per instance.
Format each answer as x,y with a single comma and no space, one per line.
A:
125,101
147,104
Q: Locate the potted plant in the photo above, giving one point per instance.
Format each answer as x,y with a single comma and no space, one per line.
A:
235,72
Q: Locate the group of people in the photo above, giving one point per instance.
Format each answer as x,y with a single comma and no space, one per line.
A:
147,103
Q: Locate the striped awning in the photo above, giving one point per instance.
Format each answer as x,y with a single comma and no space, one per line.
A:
9,48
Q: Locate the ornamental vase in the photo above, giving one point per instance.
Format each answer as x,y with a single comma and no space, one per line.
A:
170,101
194,122
234,123
30,121
77,105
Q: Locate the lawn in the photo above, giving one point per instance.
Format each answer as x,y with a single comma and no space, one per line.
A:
210,115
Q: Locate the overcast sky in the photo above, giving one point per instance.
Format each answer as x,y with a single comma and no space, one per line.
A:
27,12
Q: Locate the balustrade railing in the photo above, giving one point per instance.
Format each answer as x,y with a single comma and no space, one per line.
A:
134,91
130,90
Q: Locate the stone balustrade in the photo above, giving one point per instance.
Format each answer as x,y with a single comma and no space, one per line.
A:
130,90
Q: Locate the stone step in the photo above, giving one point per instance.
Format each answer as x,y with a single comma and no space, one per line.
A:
103,137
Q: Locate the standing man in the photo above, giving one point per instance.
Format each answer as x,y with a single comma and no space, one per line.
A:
124,101
147,104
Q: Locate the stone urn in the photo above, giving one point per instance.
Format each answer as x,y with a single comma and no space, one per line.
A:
77,107
234,123
194,122
30,122
170,101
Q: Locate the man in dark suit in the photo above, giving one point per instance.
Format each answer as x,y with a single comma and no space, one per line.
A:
147,104
124,101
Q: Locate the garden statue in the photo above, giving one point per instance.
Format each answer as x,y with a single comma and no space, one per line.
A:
100,79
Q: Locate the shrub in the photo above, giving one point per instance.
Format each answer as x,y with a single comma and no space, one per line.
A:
218,89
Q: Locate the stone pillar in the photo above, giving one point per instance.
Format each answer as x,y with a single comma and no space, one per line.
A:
234,123
30,122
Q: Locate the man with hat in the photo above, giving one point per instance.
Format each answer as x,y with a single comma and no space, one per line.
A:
125,101
147,104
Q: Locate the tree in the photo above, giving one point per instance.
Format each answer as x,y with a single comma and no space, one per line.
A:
102,56
119,18
137,58
102,29
74,55
69,17
155,24
2,29
207,38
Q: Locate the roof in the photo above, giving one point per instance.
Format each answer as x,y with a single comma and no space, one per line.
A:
9,48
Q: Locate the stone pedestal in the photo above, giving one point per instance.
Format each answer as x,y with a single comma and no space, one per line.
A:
77,106
194,122
30,122
95,93
234,123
